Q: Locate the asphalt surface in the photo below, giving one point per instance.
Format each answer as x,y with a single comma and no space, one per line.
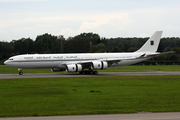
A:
134,116
55,75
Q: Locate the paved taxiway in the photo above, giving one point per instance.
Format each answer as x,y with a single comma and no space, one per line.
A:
55,75
135,116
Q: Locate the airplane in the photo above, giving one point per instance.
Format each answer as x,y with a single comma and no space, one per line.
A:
86,63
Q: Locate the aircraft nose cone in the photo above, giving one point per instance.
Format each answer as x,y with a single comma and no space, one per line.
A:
6,62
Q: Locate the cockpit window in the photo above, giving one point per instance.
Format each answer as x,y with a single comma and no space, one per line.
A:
10,59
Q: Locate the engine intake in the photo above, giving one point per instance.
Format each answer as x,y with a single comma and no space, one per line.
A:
74,68
99,65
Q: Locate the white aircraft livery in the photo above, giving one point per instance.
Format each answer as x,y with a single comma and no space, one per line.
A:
86,63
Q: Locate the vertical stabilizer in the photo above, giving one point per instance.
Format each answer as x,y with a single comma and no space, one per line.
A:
152,43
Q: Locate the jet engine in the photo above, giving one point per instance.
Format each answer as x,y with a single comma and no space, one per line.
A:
99,65
74,68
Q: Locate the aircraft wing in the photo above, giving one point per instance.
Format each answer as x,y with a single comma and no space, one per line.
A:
110,61
87,64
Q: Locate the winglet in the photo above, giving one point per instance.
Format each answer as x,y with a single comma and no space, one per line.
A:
152,43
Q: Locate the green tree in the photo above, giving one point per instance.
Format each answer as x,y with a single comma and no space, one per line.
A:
99,48
119,48
45,43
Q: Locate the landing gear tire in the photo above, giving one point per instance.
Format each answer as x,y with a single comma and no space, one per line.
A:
82,72
89,72
20,73
95,72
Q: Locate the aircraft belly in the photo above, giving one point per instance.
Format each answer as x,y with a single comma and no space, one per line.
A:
32,65
15,65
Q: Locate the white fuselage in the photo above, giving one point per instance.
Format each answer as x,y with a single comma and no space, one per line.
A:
32,61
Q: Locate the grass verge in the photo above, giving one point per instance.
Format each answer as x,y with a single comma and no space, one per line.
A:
101,95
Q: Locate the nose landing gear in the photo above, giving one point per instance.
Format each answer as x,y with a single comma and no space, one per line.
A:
20,71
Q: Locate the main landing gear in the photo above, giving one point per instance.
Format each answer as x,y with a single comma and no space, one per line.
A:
20,71
89,72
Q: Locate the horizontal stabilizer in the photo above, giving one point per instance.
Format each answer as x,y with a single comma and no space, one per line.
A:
154,55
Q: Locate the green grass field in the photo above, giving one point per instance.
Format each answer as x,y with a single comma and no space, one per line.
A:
135,68
89,95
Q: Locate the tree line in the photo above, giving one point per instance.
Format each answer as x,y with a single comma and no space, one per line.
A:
88,43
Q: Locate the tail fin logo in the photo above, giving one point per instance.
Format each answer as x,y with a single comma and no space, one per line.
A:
152,42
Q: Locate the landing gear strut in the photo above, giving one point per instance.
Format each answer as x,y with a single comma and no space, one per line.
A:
89,72
20,71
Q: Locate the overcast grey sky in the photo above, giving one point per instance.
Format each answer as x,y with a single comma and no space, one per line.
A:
108,18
